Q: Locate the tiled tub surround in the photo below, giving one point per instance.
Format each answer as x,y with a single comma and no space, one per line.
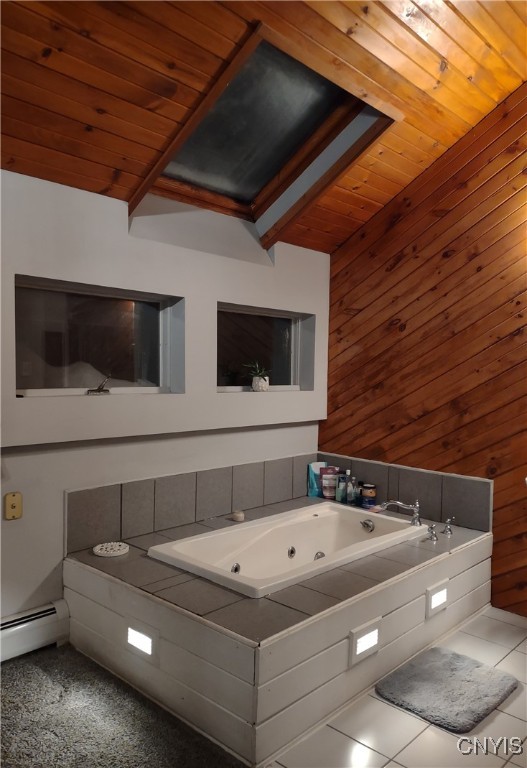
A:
127,510
254,675
441,495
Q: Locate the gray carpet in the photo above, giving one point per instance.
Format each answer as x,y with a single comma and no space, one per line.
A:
447,689
61,710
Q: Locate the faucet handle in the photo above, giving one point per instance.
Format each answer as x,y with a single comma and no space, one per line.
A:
432,535
448,527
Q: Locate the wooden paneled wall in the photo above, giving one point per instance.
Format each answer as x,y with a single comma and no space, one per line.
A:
427,352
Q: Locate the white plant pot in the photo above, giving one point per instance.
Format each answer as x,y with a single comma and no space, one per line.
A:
260,383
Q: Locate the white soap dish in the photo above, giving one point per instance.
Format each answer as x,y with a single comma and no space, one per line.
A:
111,549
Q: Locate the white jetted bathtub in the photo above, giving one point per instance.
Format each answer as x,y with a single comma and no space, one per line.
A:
263,556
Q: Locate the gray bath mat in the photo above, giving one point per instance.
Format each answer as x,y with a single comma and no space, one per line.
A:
447,689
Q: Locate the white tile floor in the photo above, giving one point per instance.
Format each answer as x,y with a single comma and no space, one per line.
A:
371,733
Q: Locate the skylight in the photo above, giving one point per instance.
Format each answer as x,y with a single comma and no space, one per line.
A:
260,121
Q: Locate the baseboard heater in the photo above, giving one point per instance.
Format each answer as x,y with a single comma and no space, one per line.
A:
29,630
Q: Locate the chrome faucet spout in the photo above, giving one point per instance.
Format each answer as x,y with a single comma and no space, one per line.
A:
414,508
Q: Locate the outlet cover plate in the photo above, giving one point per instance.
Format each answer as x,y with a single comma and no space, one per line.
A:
13,505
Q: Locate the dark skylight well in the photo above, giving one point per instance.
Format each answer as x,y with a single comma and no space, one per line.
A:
262,118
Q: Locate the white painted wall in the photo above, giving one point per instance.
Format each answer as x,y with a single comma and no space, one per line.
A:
53,444
168,221
53,231
33,547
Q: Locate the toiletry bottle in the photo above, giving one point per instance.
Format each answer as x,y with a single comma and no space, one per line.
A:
357,500
329,477
353,491
358,493
368,495
348,484
340,493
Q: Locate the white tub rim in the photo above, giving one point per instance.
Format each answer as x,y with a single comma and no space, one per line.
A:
255,587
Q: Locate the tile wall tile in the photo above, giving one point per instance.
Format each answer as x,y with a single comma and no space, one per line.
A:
300,473
213,493
93,517
278,480
423,485
247,485
175,500
393,483
137,508
469,499
372,472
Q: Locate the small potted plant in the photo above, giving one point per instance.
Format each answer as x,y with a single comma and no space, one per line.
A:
259,375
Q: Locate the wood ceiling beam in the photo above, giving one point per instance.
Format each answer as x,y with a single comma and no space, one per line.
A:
181,136
200,197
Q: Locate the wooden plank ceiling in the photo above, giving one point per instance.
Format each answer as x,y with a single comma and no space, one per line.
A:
93,93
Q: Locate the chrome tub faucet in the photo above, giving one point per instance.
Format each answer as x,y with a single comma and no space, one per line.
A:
414,508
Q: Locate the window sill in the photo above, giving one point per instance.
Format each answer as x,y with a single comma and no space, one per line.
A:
77,391
276,388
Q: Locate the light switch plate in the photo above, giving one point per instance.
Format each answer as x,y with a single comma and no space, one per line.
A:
13,505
